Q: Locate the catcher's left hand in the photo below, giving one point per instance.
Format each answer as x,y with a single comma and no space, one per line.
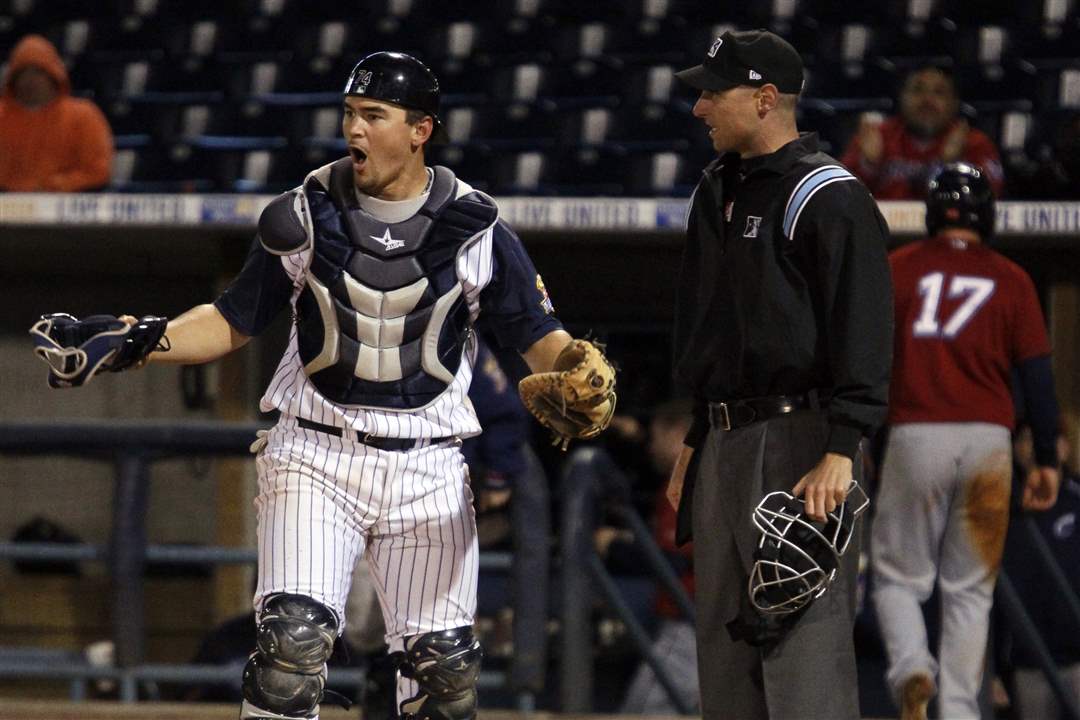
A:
577,398
76,350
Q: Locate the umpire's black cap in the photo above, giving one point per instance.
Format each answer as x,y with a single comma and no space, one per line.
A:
750,57
400,79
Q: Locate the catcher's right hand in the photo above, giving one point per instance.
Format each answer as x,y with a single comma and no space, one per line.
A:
76,350
577,398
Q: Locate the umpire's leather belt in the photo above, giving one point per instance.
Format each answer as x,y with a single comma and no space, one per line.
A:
370,440
737,413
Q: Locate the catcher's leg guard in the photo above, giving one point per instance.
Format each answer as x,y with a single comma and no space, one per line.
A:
287,672
446,666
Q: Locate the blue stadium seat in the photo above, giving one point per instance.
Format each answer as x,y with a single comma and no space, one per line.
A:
548,96
470,163
934,37
514,127
666,173
521,83
1007,81
237,163
601,77
1058,84
587,126
329,39
587,171
159,169
1009,123
591,40
296,117
874,78
658,127
520,173
835,120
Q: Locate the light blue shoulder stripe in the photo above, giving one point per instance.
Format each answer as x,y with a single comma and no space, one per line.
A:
800,196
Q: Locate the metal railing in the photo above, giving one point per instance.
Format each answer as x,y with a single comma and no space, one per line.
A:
133,447
589,473
1006,596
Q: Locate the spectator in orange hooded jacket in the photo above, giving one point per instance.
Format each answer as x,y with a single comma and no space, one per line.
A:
49,141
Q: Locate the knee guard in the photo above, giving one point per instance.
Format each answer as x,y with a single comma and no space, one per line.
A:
287,672
446,666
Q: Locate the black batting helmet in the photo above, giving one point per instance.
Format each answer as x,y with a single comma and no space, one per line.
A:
400,79
959,195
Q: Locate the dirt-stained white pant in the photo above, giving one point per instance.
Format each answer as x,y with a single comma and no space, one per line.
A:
942,515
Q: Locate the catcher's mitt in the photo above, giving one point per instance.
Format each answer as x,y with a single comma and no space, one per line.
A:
575,400
76,350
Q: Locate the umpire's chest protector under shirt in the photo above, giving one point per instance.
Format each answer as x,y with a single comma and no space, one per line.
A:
775,244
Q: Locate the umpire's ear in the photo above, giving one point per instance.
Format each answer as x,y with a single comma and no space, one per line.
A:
767,98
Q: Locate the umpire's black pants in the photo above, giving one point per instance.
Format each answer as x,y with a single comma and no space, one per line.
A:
809,672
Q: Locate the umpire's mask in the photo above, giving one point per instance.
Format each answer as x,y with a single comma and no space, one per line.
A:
796,558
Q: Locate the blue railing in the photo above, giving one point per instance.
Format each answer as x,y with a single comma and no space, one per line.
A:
588,474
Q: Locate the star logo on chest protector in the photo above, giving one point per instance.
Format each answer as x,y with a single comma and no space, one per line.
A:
388,242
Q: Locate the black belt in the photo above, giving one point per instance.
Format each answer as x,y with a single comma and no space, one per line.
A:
382,443
737,413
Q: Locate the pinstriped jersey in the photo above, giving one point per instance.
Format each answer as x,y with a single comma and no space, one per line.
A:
505,299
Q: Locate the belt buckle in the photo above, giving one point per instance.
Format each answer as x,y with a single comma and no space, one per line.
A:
726,415
365,439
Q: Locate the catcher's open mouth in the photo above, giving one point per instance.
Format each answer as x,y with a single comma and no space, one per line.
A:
357,154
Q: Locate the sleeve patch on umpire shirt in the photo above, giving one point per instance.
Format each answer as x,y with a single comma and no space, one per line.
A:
545,299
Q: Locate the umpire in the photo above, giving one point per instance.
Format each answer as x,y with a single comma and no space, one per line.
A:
783,336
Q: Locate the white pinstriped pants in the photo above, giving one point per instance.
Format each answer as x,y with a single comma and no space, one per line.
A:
325,500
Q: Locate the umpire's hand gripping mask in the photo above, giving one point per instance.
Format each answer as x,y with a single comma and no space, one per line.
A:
796,559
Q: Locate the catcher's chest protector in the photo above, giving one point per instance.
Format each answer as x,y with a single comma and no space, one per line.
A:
383,320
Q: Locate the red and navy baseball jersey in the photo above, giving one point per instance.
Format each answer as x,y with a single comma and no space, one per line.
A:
964,316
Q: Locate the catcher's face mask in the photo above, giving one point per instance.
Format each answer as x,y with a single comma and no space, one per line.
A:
796,558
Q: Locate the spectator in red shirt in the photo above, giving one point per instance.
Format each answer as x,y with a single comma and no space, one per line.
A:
895,158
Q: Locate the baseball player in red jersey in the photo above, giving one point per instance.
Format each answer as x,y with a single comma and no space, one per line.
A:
965,317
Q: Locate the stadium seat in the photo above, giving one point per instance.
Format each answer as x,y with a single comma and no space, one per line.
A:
584,127
601,77
520,173
516,127
658,127
551,96
472,163
590,40
1008,81
158,169
667,173
1058,84
836,119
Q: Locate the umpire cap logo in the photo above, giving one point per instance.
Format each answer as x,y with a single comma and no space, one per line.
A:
716,46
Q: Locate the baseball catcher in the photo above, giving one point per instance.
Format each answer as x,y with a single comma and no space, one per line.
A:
577,398
76,350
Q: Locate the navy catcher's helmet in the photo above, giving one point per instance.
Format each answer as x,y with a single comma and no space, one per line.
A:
959,195
400,79
796,558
